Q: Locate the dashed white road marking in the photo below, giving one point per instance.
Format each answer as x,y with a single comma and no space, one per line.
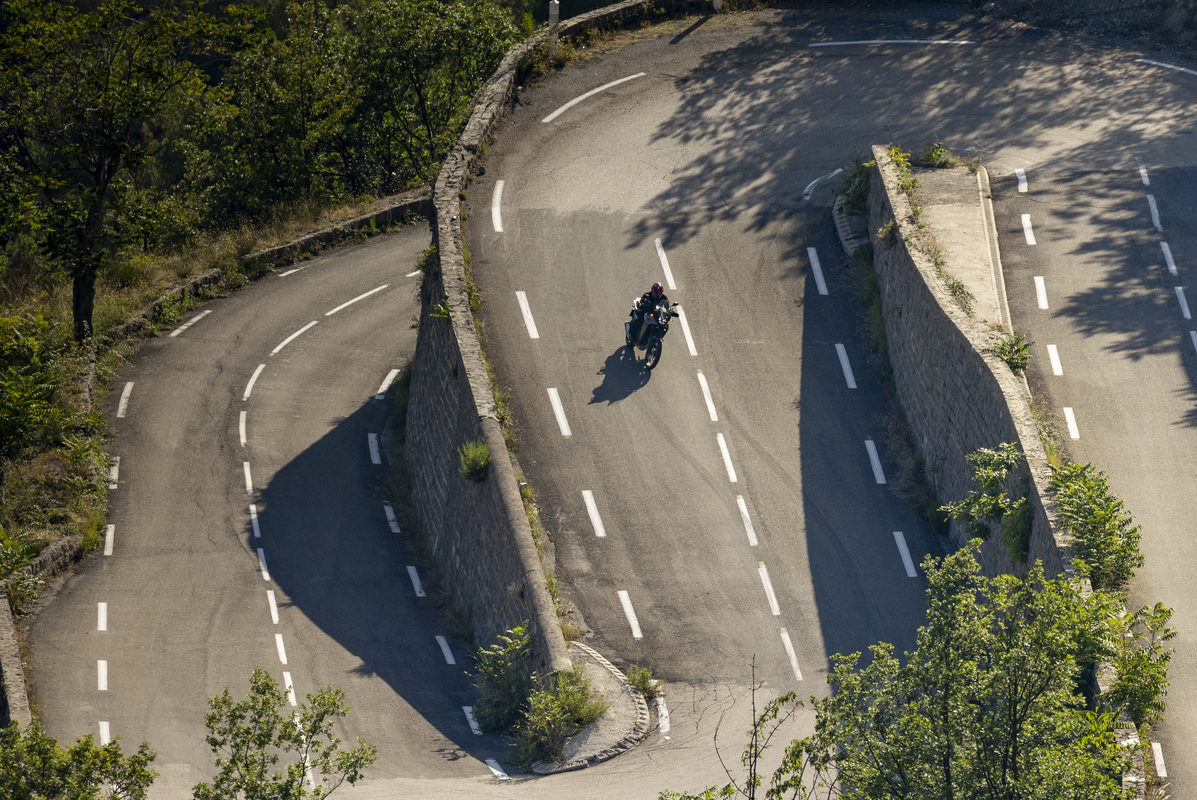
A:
416,586
1142,171
1027,230
473,722
105,733
1184,304
372,443
845,365
249,481
875,461
253,520
392,520
282,651
769,594
290,272
630,613
904,552
1021,174
413,273
386,384
727,462
1041,292
1168,258
891,41
588,95
496,205
273,603
592,511
102,675
817,270
706,395
122,407
663,717
262,564
1070,420
249,387
293,337
790,654
681,317
190,322
1193,338
1053,356
746,520
109,537
114,472
526,310
559,412
496,769
241,428
665,265
1155,212
1165,66
290,687
810,187
363,296
101,616
445,651
1157,751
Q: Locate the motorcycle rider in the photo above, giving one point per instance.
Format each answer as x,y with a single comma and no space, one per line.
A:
648,301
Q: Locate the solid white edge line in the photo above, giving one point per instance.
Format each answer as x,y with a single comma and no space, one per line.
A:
526,310
416,586
262,564
109,538
663,717
665,266
114,472
681,317
842,352
101,616
372,443
1053,356
875,461
559,412
473,722
1165,66
122,407
820,284
290,687
445,651
386,384
1157,751
249,483
904,552
102,675
293,337
241,428
790,654
1021,174
1168,257
1041,292
1184,304
890,41
727,462
592,511
496,214
282,651
249,387
1155,212
810,187
630,613
497,769
1142,171
706,395
1070,419
746,520
392,520
190,322
590,94
348,303
273,606
1027,230
769,595
105,733
253,520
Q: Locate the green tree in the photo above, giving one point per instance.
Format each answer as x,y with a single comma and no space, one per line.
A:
250,737
34,765
1105,538
990,509
87,98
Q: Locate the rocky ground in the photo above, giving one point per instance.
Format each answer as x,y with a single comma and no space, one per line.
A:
1168,25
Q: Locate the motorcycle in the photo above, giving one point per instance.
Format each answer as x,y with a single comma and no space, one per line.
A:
650,330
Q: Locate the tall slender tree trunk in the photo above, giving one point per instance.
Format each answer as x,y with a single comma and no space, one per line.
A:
83,302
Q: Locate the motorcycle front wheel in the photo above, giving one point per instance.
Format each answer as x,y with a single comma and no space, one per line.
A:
653,353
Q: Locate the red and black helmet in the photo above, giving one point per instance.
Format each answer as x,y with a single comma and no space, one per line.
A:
658,289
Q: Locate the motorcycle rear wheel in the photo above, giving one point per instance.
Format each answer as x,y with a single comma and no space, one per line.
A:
653,353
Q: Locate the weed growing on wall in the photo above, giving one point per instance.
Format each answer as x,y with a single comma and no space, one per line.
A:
474,457
1013,348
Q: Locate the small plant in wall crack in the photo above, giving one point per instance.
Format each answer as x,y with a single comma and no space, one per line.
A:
1013,348
475,459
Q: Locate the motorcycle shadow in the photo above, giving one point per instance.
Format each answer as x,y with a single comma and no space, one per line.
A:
623,374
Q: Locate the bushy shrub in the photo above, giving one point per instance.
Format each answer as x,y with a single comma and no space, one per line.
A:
1106,540
504,677
560,706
